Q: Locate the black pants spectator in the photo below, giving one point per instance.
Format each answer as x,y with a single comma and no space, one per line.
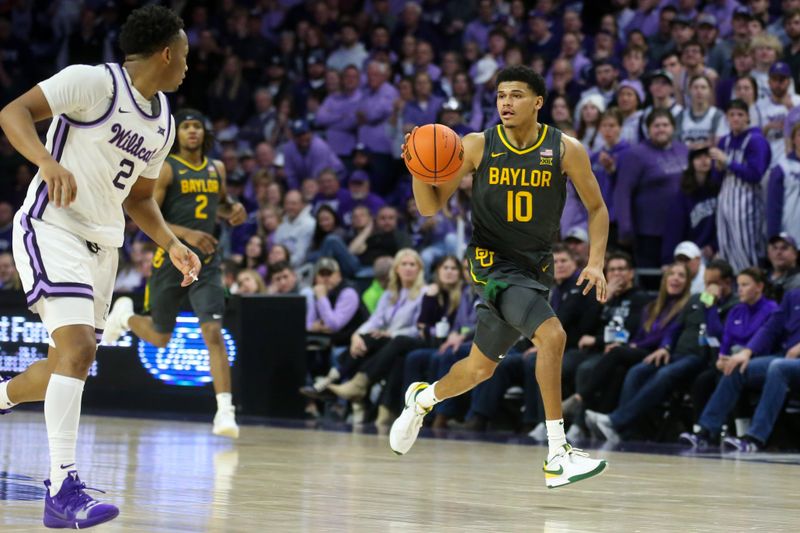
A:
349,366
380,365
703,387
569,369
601,391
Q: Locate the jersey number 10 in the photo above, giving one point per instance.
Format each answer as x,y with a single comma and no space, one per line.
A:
519,206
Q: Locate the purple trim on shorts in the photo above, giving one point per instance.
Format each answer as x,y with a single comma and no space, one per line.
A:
133,98
98,334
42,286
105,116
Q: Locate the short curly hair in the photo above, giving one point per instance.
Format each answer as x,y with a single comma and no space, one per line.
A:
526,75
148,30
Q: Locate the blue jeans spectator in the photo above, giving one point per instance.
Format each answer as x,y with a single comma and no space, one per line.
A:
440,365
647,385
782,376
727,393
512,370
334,246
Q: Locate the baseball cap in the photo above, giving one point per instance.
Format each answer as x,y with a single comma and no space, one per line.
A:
682,19
485,69
706,19
326,265
315,57
577,234
300,126
780,68
635,86
687,249
358,175
661,73
785,237
743,11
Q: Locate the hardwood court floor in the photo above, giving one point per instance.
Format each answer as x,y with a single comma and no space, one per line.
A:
175,476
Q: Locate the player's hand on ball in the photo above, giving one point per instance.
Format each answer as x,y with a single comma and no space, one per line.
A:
186,261
405,140
61,185
595,278
205,242
238,214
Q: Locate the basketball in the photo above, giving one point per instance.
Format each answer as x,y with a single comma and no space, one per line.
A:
433,153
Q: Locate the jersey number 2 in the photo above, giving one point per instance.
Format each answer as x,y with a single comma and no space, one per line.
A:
519,206
125,173
202,202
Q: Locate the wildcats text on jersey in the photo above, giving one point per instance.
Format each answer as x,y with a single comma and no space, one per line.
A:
130,142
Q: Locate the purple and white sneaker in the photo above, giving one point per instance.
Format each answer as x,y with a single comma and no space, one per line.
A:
72,508
4,411
744,445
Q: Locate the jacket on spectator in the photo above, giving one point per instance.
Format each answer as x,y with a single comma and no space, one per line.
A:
398,318
300,165
743,322
578,314
693,217
296,235
686,338
628,306
340,310
782,329
377,108
337,115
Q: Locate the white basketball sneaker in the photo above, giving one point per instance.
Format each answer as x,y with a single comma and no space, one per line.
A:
117,321
225,423
406,428
569,465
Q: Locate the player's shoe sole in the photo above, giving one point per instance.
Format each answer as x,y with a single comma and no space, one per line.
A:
571,465
114,324
225,425
406,428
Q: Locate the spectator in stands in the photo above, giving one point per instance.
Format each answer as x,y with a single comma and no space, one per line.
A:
754,329
577,312
396,316
336,312
745,88
331,194
337,114
385,238
648,173
648,383
359,188
350,51
425,106
740,161
659,36
671,63
791,50
690,254
296,228
9,278
605,76
262,123
306,155
6,225
700,123
371,115
255,256
601,390
249,282
775,108
541,41
742,67
589,111
620,315
694,208
328,224
782,376
634,61
283,280
269,218
783,191
645,18
562,115
766,51
718,51
381,269
661,88
782,256
433,236
230,94
692,59
278,253
630,96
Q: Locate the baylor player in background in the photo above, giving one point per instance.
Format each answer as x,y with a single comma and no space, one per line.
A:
191,193
520,170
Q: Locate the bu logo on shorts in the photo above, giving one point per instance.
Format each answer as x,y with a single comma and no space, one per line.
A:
485,257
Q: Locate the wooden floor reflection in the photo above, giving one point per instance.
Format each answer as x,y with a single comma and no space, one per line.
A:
173,476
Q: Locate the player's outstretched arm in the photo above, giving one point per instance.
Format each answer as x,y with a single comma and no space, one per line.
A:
575,164
229,209
144,210
18,120
432,198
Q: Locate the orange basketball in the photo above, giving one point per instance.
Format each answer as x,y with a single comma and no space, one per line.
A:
434,153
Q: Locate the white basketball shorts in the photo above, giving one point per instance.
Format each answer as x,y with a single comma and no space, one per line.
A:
67,280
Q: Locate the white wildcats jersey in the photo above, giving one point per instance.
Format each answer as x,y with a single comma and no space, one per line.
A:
712,125
106,155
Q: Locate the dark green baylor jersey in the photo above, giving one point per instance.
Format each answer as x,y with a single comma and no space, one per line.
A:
192,198
517,199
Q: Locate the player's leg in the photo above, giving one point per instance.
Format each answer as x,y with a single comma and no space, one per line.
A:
493,338
207,297
30,385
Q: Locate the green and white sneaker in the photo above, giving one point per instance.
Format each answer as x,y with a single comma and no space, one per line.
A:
406,428
569,465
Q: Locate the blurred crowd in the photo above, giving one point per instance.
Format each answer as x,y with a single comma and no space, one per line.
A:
688,109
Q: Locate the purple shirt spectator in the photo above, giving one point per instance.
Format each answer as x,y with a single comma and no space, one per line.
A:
693,218
398,317
646,176
337,115
782,329
376,107
743,322
341,202
723,11
306,156
334,316
419,113
661,333
645,19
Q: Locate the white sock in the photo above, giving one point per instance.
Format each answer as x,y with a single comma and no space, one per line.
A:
555,435
5,402
426,398
224,401
62,412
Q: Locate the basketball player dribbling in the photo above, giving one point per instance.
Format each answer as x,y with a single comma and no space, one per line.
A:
110,133
519,187
191,192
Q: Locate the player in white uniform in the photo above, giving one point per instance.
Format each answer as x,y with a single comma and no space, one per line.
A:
110,133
